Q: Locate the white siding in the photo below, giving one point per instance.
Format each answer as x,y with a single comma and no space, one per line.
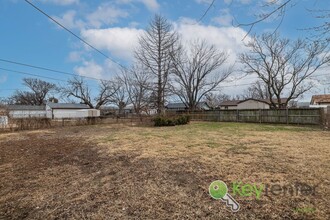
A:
3,121
75,113
27,113
252,104
89,113
49,113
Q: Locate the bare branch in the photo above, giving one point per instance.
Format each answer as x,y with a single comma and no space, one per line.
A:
197,72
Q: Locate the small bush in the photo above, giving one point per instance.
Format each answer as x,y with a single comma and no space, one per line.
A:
171,121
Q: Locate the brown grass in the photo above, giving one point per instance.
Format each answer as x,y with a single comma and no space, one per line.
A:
124,172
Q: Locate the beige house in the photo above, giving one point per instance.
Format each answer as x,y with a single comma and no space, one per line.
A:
253,104
227,105
250,104
320,100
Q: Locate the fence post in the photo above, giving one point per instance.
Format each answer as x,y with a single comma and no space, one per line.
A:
287,115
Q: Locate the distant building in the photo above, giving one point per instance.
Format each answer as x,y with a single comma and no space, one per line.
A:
323,100
3,116
52,110
302,105
69,110
251,104
26,111
229,104
179,106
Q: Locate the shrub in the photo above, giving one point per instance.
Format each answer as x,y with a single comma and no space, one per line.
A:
171,121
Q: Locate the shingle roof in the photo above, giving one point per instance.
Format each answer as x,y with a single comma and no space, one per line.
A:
26,107
181,105
320,99
176,105
67,106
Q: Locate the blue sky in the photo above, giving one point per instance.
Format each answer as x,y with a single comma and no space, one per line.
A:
29,37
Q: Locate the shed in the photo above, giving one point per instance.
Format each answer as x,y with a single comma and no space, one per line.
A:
70,110
26,111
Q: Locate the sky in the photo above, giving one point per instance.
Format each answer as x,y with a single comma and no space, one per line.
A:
113,27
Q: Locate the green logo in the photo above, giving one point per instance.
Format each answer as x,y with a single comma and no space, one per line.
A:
219,190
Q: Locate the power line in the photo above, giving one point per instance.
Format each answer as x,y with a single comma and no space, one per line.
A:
31,74
36,75
75,35
47,69
58,71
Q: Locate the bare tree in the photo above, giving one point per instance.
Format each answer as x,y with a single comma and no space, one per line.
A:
284,66
154,52
198,72
78,88
321,32
277,9
120,95
213,100
138,86
38,94
257,90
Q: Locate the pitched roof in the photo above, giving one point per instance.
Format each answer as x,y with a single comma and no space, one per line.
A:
230,103
183,105
283,100
67,106
267,101
176,105
320,98
26,107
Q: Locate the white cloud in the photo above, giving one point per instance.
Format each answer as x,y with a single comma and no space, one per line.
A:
224,38
105,14
151,5
225,18
90,69
75,56
68,19
61,2
120,42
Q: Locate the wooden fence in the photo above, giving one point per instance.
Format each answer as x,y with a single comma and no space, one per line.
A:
304,116
19,124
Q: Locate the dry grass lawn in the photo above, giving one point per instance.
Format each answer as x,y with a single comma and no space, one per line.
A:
125,172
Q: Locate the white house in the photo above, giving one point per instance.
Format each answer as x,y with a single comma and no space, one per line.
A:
68,110
26,111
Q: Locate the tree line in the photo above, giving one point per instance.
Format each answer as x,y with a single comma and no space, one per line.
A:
165,66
